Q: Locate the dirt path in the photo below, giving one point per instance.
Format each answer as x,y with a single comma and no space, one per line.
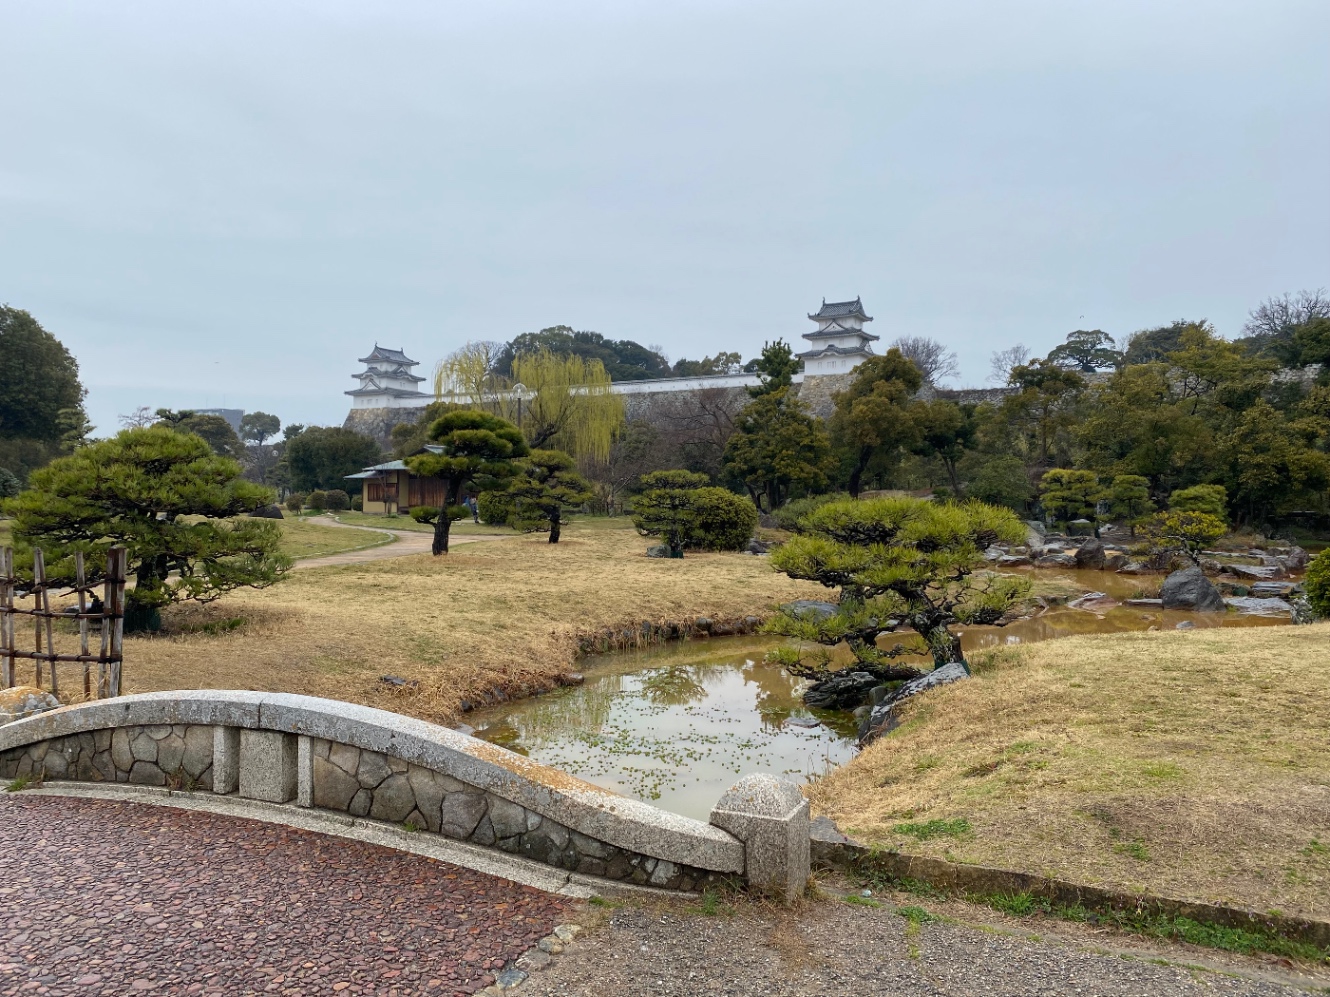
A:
833,949
405,543
107,898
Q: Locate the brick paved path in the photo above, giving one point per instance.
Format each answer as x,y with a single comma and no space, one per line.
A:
102,898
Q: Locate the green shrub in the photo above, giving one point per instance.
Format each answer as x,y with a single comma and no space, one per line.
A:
316,500
788,515
723,520
9,483
496,508
1209,499
358,503
337,500
1318,583
295,501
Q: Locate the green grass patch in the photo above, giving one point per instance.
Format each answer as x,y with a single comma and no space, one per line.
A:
1154,925
927,830
712,905
916,915
22,783
1136,921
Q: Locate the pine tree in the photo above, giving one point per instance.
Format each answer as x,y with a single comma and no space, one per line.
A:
546,488
166,497
477,450
899,562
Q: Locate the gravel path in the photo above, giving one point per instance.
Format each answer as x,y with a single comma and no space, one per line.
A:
834,950
110,898
408,542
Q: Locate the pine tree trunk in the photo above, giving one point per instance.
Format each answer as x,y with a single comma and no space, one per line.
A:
441,527
554,528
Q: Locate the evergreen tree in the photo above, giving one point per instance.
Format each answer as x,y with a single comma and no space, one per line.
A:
1209,499
479,451
1068,494
166,497
1129,498
898,563
775,368
665,508
874,417
777,446
547,487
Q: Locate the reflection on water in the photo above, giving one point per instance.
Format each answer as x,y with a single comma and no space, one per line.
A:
677,725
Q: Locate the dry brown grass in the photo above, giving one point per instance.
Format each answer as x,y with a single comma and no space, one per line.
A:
1192,764
504,614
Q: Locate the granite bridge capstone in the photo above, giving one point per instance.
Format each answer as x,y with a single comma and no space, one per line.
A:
320,753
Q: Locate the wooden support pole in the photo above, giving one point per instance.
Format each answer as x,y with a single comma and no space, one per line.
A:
117,559
38,580
7,616
80,579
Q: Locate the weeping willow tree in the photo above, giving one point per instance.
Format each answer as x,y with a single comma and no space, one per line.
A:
468,376
560,402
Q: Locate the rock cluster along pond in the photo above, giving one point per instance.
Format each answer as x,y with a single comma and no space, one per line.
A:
1056,551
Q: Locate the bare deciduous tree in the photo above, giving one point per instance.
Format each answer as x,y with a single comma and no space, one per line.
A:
140,418
1002,362
935,362
1275,318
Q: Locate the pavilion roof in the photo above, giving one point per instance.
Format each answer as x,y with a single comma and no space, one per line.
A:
841,309
392,356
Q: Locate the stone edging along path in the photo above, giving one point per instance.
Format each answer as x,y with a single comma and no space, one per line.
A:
832,849
334,756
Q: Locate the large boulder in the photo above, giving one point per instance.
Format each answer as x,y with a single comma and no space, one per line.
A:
882,719
267,512
813,609
24,701
840,691
1056,561
1190,589
1091,554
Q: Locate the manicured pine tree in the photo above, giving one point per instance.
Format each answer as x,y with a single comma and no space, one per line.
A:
547,487
477,450
166,497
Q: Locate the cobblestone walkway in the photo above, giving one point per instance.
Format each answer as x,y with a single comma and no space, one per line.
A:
102,898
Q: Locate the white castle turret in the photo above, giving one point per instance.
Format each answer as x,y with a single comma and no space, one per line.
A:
840,342
387,381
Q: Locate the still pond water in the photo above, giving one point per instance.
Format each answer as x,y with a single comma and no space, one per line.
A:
676,725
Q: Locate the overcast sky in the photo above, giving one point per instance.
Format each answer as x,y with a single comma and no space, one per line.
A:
229,203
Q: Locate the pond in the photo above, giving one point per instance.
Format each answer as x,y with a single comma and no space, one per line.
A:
677,725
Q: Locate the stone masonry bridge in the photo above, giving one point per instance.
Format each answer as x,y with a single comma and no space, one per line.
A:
306,752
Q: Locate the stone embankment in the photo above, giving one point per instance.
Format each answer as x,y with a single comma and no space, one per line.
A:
329,755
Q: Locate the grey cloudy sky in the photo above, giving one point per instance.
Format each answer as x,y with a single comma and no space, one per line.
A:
216,203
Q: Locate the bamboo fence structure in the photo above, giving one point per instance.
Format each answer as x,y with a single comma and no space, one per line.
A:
109,617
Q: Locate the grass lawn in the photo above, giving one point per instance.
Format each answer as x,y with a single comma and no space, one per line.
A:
505,614
465,527
300,538
303,538
1193,764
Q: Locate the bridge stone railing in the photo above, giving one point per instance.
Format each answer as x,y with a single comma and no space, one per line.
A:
322,753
